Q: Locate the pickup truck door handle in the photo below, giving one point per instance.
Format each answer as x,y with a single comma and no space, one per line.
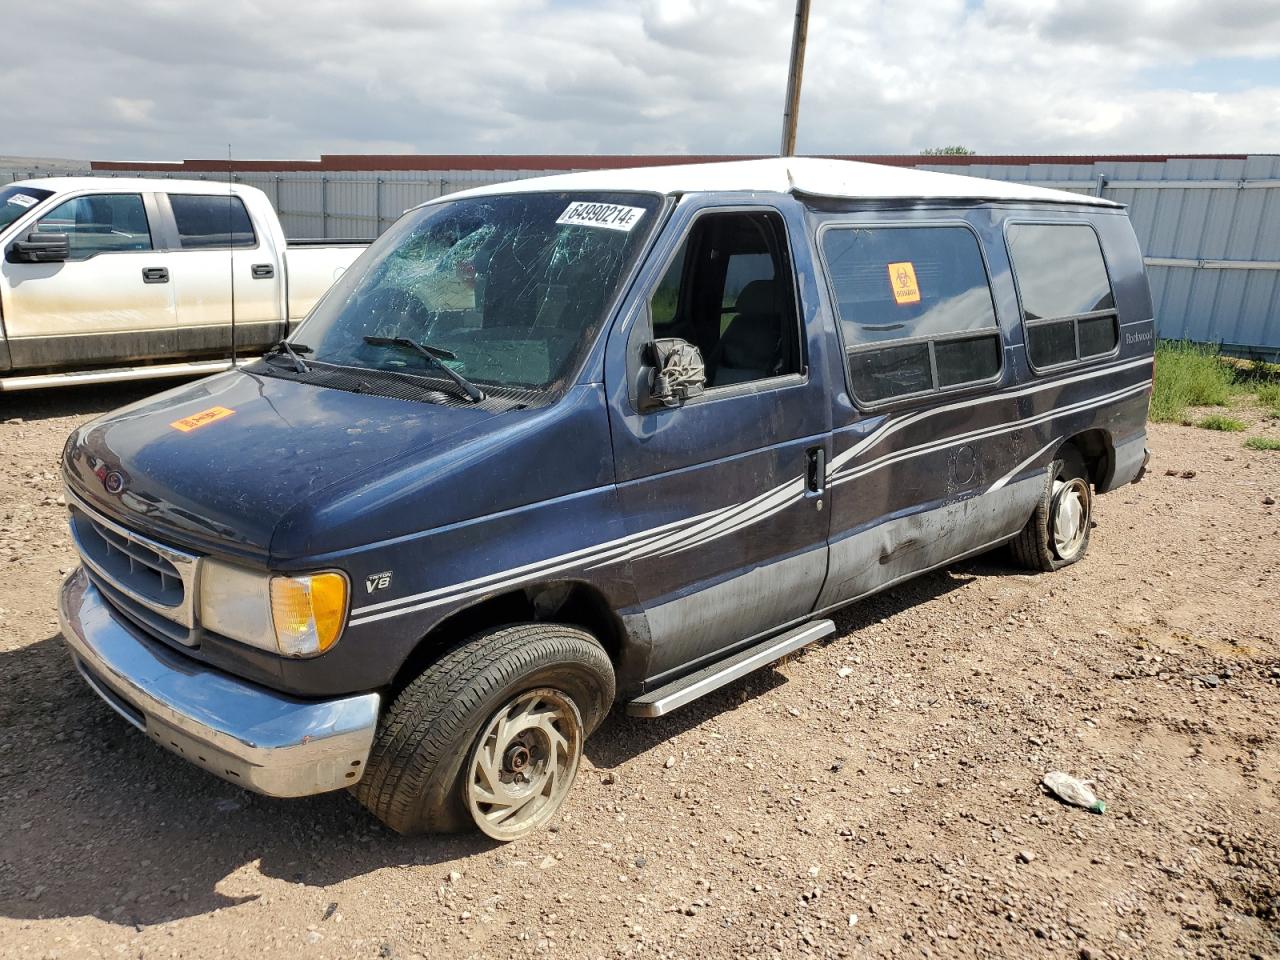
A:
816,476
155,274
263,271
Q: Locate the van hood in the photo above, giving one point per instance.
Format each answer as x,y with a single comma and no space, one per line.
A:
219,463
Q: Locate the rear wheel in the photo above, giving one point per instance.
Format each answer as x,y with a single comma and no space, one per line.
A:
1057,534
489,736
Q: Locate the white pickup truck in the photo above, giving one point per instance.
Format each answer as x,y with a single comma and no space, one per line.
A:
114,279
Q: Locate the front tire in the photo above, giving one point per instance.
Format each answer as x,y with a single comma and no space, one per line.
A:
490,735
1057,534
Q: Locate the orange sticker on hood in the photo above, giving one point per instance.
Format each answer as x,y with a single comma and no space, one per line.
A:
902,278
201,419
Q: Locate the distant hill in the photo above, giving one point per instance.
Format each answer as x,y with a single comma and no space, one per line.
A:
22,168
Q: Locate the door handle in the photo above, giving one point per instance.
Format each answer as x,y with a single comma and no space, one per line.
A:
263,271
816,480
155,274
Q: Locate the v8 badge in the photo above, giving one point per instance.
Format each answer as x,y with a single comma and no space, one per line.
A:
377,581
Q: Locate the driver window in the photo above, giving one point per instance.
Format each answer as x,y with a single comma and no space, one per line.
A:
105,223
729,291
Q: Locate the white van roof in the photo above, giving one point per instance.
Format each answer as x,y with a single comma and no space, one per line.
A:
808,175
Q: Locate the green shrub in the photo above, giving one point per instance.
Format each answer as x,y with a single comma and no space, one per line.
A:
1188,375
1268,394
1262,443
1216,421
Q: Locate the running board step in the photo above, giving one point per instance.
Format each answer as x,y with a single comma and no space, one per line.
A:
676,694
73,378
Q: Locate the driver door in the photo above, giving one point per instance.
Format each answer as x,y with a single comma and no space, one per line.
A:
110,300
725,492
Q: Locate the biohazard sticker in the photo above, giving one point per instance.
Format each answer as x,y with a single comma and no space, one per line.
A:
201,419
22,200
902,278
610,216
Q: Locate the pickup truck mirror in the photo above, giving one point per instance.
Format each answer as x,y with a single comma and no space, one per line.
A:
40,248
676,371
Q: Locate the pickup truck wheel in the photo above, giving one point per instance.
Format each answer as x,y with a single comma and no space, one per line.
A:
1057,534
490,735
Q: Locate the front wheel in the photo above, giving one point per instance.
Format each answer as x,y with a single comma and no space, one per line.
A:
1057,534
489,736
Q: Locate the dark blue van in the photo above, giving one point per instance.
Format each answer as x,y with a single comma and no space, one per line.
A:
616,436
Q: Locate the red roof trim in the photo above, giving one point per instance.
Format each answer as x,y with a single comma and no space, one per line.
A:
352,162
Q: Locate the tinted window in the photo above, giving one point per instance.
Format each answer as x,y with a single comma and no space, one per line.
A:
1052,343
730,292
105,223
967,359
211,221
891,371
925,284
1060,270
1098,335
1061,279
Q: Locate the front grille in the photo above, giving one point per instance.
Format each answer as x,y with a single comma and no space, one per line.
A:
150,583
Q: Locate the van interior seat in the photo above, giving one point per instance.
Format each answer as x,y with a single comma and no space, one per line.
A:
751,347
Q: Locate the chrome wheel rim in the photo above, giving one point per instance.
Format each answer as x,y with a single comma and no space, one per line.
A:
523,763
1070,516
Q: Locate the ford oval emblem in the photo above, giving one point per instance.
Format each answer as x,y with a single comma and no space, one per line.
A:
114,482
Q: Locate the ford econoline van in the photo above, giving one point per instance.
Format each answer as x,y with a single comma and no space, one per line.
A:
612,437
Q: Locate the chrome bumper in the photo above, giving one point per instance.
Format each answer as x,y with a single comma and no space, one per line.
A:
244,733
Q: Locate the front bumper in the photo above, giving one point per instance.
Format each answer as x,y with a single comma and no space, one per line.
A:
244,733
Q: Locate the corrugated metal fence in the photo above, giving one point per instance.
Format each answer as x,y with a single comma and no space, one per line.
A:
1209,228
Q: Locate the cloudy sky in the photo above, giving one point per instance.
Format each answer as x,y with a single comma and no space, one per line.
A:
165,79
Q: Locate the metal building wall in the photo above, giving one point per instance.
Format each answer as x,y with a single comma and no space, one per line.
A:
1210,233
1210,229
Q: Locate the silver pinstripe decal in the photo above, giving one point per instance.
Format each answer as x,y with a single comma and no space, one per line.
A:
680,535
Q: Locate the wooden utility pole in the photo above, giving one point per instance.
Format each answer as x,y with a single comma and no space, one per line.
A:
791,112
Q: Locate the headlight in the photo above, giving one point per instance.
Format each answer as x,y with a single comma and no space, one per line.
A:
298,616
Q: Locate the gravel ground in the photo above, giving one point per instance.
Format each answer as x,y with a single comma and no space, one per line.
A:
876,795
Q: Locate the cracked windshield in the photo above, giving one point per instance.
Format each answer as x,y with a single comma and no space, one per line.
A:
506,290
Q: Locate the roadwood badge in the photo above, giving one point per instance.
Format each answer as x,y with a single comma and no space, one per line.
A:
377,581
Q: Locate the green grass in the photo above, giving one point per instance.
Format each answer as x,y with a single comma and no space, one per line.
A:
1262,443
1187,375
1216,421
1268,394
1195,375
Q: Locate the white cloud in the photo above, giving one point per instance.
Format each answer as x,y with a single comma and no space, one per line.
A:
136,79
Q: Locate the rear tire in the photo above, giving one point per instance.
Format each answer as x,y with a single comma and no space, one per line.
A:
489,736
1057,534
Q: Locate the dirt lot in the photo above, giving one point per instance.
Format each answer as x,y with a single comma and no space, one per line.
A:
877,795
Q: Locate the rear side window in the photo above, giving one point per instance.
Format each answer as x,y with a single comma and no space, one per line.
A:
211,221
1067,304
100,223
915,309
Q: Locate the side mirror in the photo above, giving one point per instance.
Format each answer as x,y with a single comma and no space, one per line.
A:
676,371
40,248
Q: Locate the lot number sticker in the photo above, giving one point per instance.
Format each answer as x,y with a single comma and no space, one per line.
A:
22,200
902,278
610,216
201,419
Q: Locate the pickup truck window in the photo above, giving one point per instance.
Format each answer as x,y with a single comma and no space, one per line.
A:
1067,304
915,309
100,223
15,201
206,221
514,286
731,292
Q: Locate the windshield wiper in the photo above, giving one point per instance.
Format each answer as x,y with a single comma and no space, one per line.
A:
436,357
284,347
